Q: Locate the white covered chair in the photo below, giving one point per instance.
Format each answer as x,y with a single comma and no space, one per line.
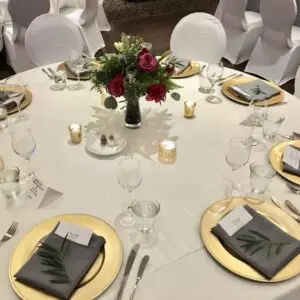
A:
242,28
199,36
297,84
276,55
22,13
62,34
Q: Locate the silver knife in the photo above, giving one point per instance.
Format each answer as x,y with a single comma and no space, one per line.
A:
292,215
129,263
232,76
140,273
292,207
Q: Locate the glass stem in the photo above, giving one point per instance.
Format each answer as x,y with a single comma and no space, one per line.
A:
130,200
78,78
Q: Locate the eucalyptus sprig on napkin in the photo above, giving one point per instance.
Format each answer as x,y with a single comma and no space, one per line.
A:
54,260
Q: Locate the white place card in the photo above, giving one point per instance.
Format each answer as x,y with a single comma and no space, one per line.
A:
40,195
76,233
235,220
291,157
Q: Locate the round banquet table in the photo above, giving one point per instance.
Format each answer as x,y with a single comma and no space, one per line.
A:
179,265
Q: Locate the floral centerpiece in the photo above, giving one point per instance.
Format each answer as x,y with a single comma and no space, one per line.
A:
132,72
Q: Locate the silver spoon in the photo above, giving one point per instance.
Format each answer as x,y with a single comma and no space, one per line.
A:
278,204
294,188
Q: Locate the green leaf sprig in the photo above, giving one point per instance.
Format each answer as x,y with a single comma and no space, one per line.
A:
256,241
54,260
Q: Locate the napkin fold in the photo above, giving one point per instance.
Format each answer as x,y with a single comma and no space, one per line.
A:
5,101
269,248
77,261
184,63
257,90
86,69
289,169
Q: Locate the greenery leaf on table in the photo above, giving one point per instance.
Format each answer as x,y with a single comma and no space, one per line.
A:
256,241
53,259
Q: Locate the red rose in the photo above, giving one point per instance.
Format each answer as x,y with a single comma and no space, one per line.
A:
146,61
156,92
115,86
170,69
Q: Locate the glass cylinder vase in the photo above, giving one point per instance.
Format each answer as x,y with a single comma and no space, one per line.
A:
133,114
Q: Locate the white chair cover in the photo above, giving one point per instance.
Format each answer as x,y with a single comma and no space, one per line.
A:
242,28
85,19
63,36
199,36
276,55
297,84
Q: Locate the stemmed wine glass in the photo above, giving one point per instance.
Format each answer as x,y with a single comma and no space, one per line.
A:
15,85
77,62
214,73
129,178
23,144
237,154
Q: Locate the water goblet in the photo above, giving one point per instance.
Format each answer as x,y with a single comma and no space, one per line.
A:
145,213
24,145
77,62
214,73
129,178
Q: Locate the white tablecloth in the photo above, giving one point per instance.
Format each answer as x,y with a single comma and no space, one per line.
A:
179,266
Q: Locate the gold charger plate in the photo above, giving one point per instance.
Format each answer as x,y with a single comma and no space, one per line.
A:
191,70
275,156
210,218
97,280
25,101
72,76
227,93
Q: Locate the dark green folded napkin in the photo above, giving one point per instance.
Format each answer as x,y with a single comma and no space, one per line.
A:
77,261
289,169
261,244
257,90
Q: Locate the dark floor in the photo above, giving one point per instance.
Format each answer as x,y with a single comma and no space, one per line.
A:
155,29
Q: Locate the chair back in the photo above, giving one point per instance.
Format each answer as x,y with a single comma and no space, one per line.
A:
51,38
253,5
89,13
199,36
234,13
23,12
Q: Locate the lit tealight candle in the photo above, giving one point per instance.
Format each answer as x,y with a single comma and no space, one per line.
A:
189,109
167,152
75,133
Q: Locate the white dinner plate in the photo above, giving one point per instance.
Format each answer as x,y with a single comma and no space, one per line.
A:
93,143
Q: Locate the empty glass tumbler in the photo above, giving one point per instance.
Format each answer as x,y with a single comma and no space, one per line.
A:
9,182
260,177
145,213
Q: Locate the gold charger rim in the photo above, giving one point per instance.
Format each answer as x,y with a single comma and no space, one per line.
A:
56,218
191,70
291,269
276,162
25,101
269,102
71,76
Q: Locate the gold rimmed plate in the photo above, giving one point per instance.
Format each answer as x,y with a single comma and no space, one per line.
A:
25,101
240,80
73,76
218,210
275,157
99,277
192,69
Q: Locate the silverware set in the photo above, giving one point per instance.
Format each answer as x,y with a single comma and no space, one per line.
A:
52,75
9,233
293,136
288,208
232,76
128,267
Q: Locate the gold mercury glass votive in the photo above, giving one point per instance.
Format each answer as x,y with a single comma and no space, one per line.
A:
167,152
189,109
75,133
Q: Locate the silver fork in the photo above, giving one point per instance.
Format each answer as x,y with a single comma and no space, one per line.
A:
10,232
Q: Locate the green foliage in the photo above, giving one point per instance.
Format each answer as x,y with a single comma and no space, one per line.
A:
124,61
256,241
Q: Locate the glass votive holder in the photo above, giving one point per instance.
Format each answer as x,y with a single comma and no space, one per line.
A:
260,177
271,123
60,80
75,131
9,182
3,118
145,213
167,152
189,109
